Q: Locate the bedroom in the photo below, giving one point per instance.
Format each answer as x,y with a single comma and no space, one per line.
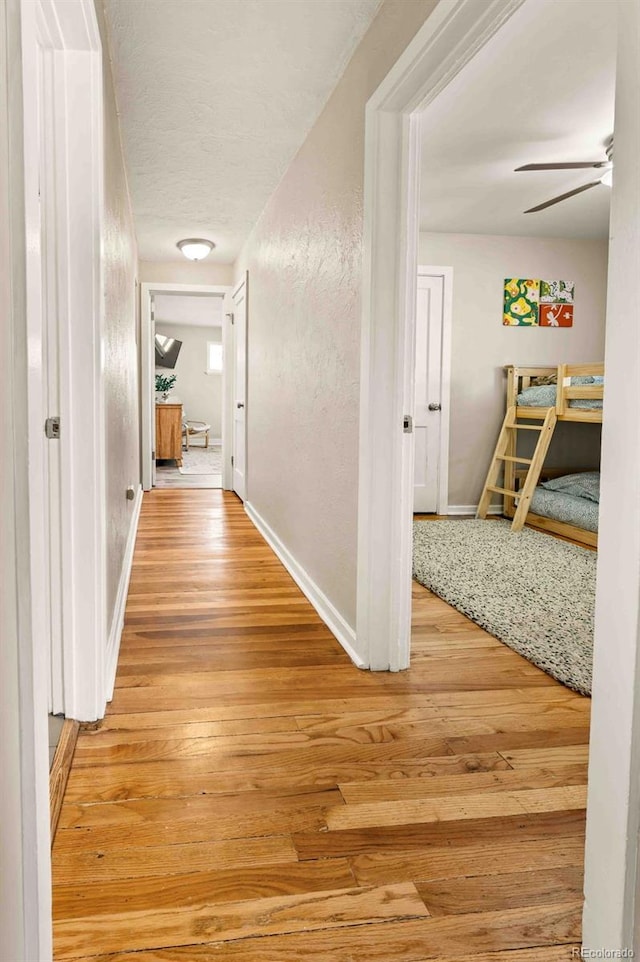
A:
476,221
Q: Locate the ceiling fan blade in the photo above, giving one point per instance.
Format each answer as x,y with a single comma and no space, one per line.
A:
578,165
556,200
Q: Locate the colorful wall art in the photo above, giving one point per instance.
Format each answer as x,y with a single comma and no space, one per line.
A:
537,303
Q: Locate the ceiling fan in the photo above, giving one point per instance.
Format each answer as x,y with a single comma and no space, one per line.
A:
605,165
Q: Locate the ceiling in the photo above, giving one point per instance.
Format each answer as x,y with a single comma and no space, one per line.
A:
542,90
197,310
215,98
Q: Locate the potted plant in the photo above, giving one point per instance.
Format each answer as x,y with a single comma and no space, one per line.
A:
164,383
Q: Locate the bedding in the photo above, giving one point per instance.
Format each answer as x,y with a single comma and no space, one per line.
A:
544,395
560,506
585,484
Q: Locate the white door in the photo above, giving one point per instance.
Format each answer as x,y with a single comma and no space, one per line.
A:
240,389
430,425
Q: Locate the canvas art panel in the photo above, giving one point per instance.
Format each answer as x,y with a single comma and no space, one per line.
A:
531,302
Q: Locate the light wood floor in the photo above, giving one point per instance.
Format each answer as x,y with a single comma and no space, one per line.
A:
253,797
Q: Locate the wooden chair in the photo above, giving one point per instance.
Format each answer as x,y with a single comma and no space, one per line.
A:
195,429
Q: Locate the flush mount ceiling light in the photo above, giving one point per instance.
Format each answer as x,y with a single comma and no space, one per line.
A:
195,248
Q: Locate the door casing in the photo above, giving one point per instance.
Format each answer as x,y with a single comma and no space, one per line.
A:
450,38
69,587
240,386
147,373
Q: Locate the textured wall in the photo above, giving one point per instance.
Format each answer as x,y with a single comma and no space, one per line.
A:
185,272
481,345
200,393
305,277
120,352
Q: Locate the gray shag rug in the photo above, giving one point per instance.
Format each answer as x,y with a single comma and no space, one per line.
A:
533,592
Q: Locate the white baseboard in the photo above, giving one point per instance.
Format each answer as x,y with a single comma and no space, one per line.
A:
332,618
472,508
117,621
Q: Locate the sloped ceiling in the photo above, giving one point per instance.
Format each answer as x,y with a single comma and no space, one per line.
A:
542,90
215,98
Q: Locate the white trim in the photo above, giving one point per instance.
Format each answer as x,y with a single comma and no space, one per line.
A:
68,34
147,372
332,618
241,286
447,41
460,509
25,843
117,621
445,379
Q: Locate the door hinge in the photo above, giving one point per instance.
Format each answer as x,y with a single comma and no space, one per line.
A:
232,461
230,316
407,424
52,428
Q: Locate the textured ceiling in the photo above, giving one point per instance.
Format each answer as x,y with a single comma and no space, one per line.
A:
542,90
215,98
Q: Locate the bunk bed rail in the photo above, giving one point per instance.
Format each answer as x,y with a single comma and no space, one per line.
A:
520,378
578,392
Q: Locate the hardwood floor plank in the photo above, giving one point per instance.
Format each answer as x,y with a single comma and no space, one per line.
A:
460,807
165,861
78,900
487,857
306,752
231,921
223,752
193,809
458,896
351,842
251,796
547,757
390,790
168,779
425,940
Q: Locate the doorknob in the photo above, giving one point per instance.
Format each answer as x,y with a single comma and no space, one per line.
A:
435,407
239,404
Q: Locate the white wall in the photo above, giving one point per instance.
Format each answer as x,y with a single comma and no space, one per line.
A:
481,345
613,809
119,263
185,272
200,393
305,281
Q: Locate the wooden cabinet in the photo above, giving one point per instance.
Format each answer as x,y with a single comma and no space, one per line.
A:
169,432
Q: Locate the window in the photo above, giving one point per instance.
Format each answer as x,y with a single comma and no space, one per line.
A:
214,357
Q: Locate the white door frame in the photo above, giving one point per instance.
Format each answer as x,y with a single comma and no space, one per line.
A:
449,39
446,273
147,372
25,906
243,284
67,33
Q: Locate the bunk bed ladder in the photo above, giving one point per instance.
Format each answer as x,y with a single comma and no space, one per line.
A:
504,455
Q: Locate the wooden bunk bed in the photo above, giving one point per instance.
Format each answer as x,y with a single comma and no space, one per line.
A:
571,401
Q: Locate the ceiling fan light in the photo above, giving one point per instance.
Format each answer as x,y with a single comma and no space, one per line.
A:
195,248
607,177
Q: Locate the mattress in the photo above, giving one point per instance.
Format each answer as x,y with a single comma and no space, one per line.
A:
544,396
581,512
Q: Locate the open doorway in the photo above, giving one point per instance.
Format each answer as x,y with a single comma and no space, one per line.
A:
186,391
189,389
385,547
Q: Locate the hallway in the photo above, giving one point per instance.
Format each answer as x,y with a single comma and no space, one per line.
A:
252,796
